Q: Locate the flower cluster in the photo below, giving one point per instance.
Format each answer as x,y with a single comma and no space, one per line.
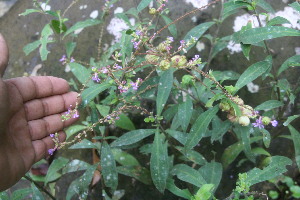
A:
247,113
71,113
56,142
64,60
124,87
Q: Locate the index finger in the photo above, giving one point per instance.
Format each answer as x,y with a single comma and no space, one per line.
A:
39,86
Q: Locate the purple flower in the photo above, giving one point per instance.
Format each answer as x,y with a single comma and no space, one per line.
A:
117,66
136,44
63,58
258,123
274,123
52,135
51,151
182,42
171,39
104,70
96,78
134,85
138,32
196,57
75,115
72,60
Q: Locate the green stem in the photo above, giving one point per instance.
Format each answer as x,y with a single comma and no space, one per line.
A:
40,187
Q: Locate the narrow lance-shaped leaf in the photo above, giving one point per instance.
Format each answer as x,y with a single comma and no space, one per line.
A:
185,111
290,62
197,32
82,25
31,47
188,174
159,163
108,167
36,193
199,128
296,140
232,7
266,137
252,73
132,137
269,105
184,193
90,93
290,119
212,173
276,167
256,35
164,88
172,28
143,4
45,34
55,166
140,173
295,5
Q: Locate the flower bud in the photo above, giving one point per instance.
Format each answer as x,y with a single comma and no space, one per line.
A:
179,61
232,118
224,106
164,65
266,120
162,47
152,11
238,100
151,58
244,121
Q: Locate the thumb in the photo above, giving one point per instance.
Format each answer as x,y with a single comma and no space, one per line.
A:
3,55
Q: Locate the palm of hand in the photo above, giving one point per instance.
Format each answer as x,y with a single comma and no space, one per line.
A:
30,110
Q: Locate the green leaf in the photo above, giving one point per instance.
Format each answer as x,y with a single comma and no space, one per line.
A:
292,61
143,4
205,192
126,47
57,27
199,128
256,35
260,151
244,133
197,32
45,34
70,46
29,11
159,165
266,137
125,123
85,144
219,46
80,185
55,166
192,155
188,174
278,20
75,166
36,194
132,137
252,72
268,105
164,88
290,119
185,111
81,25
74,129
266,6
81,73
232,7
108,167
139,173
231,152
4,195
295,5
276,167
90,93
246,50
21,194
185,193
31,47
296,140
179,136
212,173
124,158
172,28
219,128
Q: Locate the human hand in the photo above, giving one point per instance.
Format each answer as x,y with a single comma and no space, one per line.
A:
30,110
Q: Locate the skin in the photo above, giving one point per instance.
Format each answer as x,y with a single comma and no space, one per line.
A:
30,110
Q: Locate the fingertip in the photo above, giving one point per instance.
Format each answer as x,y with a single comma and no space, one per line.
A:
4,55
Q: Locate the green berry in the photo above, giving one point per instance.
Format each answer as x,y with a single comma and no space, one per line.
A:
266,120
179,61
164,65
244,121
